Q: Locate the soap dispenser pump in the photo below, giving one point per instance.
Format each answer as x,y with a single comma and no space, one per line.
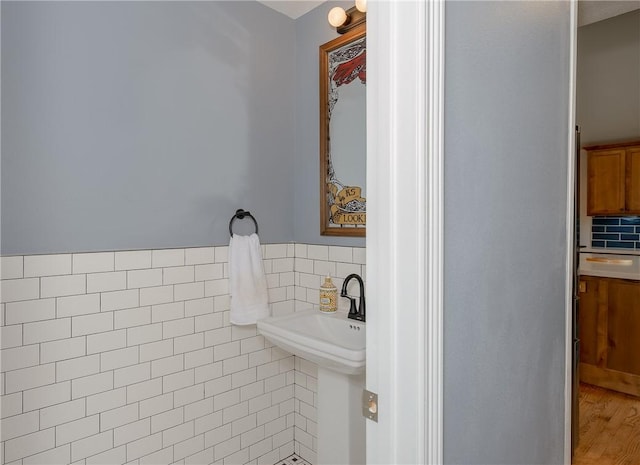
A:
328,296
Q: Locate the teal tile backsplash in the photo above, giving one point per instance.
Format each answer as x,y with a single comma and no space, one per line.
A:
616,232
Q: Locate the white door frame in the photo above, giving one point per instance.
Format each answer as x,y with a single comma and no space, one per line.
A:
571,176
405,44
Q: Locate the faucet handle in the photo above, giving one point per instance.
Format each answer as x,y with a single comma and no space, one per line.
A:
352,305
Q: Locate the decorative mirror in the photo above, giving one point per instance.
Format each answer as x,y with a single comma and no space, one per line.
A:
343,136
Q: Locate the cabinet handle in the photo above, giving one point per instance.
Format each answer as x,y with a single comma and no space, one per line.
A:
611,261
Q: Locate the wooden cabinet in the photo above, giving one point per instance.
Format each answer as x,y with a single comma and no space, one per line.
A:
588,320
613,184
609,328
633,179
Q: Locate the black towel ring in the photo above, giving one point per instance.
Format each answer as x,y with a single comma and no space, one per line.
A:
241,214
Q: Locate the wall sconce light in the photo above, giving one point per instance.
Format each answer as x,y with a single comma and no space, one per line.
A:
344,21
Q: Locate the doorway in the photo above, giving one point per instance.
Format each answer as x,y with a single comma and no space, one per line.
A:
599,26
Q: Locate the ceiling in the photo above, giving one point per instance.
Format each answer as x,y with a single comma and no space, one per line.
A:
589,11
292,8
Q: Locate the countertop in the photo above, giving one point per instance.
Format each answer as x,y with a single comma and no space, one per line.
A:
610,251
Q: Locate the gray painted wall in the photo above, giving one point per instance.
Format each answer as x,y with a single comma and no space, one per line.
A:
133,125
608,77
506,131
312,30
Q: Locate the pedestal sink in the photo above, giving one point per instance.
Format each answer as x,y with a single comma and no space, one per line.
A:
338,346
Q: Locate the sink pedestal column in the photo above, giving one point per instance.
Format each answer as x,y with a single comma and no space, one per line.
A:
341,426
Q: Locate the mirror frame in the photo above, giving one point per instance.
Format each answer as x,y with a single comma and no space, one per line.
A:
325,49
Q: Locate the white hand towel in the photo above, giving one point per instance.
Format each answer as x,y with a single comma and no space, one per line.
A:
247,281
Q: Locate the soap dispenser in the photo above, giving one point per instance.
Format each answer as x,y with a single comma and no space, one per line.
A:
328,296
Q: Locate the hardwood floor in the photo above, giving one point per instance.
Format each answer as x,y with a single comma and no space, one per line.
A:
609,428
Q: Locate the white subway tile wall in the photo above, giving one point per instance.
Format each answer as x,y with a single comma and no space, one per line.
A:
306,401
313,262
129,357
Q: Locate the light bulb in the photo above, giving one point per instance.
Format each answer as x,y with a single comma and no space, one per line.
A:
361,5
337,16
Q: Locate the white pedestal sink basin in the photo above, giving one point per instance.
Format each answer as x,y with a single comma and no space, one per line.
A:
329,339
338,345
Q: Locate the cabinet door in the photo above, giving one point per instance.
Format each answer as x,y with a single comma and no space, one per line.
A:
606,182
623,335
633,180
588,320
609,331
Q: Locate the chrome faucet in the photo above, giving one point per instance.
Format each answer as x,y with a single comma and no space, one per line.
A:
360,313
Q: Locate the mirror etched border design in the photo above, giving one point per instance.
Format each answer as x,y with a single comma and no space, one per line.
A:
342,189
